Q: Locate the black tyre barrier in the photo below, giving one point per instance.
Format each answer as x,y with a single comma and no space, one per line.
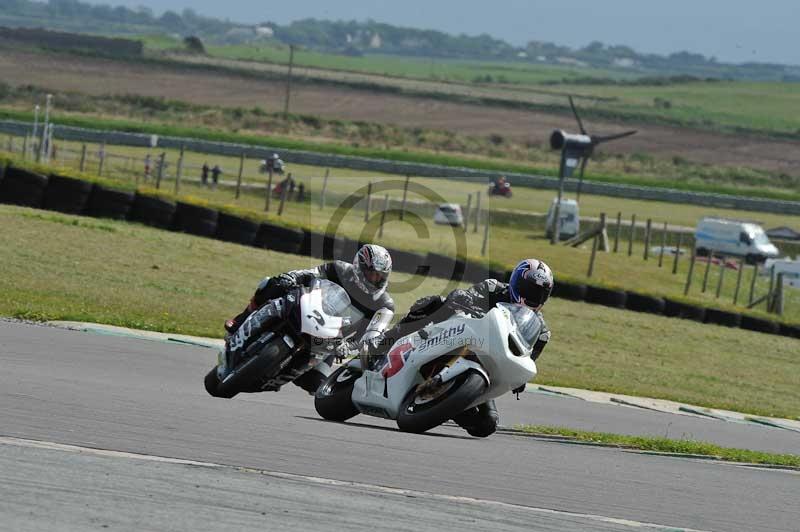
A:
444,267
236,229
153,211
277,238
345,249
676,309
643,303
109,203
475,273
22,187
407,262
568,290
723,317
318,245
66,194
195,220
605,296
792,331
759,324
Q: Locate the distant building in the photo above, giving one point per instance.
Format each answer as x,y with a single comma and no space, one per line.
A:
264,31
783,233
376,41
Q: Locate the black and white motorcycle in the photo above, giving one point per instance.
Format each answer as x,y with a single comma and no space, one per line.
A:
438,372
294,334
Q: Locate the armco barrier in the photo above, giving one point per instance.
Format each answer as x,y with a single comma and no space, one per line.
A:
209,222
415,169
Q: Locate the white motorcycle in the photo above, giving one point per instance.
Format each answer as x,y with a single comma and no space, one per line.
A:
299,331
438,372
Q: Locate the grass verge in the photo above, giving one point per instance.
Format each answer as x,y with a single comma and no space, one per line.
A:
400,155
66,267
666,445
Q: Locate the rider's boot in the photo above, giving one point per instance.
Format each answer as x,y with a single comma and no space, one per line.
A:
480,421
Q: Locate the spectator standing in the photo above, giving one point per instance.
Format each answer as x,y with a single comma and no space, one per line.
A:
204,175
148,162
215,172
301,192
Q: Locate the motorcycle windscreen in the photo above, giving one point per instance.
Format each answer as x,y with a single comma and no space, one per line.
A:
529,325
322,310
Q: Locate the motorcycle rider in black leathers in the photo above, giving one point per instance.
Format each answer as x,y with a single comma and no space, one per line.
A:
365,281
530,284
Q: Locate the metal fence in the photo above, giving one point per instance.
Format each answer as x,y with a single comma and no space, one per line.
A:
407,168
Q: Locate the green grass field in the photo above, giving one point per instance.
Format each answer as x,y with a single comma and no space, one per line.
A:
724,105
452,70
730,105
74,268
345,181
506,245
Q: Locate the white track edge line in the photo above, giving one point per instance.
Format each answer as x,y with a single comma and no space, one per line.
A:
22,442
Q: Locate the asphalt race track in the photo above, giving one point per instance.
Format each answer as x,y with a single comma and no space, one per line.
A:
111,433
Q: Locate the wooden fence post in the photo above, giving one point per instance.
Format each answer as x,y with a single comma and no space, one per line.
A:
705,275
738,282
647,238
268,194
25,148
753,284
630,235
383,215
487,220
477,210
103,160
721,275
284,193
160,168
677,254
405,195
369,199
771,288
239,178
663,243
324,188
466,211
179,171
83,158
616,235
689,275
595,243
777,306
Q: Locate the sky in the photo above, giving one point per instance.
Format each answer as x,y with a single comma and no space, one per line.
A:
730,30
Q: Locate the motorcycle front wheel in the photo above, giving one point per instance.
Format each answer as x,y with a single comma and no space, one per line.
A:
212,385
423,411
333,400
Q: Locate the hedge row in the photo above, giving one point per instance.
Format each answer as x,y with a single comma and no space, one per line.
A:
74,196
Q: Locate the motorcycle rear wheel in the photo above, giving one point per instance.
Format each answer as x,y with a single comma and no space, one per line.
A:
418,417
333,399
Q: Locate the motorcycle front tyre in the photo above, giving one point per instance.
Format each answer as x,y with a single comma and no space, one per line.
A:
419,418
333,399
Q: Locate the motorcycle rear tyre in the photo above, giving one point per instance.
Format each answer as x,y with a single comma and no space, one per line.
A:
468,387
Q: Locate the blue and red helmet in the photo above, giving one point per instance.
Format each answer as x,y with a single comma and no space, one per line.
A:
531,283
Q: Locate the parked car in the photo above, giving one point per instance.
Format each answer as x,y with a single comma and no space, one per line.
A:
720,236
448,214
569,219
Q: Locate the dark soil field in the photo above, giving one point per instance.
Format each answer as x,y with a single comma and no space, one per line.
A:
103,76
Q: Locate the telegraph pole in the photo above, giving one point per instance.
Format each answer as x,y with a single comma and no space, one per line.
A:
288,83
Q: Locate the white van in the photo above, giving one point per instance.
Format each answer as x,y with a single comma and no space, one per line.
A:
733,237
449,214
569,219
788,267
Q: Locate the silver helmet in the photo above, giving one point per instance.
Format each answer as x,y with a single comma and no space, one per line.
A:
372,266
